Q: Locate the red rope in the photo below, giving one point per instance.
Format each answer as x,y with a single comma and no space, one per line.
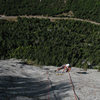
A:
72,86
70,82
48,86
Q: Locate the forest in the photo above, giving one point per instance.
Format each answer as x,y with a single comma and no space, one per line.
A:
84,9
51,43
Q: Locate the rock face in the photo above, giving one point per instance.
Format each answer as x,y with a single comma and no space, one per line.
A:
19,81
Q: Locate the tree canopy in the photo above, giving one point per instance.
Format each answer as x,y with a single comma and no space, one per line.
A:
85,9
50,43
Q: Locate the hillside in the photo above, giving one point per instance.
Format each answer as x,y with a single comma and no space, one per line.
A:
51,43
84,9
39,36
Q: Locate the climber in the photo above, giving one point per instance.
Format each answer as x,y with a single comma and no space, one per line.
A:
66,67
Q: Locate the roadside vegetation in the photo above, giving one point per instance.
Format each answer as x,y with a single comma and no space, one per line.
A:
99,69
51,43
84,9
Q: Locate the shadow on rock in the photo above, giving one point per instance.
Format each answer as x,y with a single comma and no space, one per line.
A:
82,72
60,90
17,86
12,87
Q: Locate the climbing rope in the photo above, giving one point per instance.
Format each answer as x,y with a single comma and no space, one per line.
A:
50,85
76,97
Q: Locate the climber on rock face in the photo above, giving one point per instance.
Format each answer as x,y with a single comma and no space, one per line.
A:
66,67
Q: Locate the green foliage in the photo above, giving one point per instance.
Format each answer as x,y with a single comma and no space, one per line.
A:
31,7
85,9
85,66
50,43
99,69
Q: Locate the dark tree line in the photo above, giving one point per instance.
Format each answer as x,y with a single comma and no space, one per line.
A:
31,7
50,43
85,9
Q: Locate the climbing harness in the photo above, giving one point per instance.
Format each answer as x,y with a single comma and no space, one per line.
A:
76,97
